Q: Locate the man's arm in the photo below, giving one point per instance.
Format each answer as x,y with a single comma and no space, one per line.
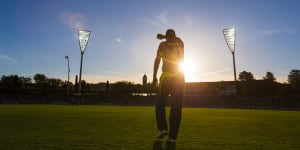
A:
181,50
155,70
156,64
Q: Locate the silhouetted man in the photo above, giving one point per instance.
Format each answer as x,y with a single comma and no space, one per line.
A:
172,82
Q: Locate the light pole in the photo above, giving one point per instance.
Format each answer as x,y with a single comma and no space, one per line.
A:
67,58
83,36
229,35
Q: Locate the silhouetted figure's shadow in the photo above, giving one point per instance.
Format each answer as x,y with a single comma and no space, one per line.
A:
158,145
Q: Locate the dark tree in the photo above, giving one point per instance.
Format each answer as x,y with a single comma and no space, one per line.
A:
269,76
123,86
85,87
246,76
55,83
41,81
25,82
11,81
40,78
294,78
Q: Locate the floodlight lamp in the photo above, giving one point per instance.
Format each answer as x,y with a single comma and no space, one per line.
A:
229,35
83,36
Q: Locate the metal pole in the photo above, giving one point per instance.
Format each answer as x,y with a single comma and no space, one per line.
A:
229,35
68,83
79,87
68,76
234,66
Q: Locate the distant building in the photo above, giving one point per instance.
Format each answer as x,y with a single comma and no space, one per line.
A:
210,88
144,80
107,86
76,84
228,90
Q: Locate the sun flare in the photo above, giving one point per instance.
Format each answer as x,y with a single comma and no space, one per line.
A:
189,68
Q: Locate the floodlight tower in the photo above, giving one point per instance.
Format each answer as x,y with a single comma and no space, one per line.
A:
83,36
67,58
229,35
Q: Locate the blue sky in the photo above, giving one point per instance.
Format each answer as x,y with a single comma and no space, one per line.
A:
36,35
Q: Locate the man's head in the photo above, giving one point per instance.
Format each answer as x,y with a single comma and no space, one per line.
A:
170,35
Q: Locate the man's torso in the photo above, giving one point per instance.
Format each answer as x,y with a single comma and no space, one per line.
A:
172,55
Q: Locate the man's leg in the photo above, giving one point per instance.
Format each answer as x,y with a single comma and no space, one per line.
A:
161,114
176,108
160,109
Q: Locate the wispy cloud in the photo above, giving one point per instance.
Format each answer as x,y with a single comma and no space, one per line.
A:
7,59
159,21
188,21
162,17
216,72
120,40
74,21
277,31
166,19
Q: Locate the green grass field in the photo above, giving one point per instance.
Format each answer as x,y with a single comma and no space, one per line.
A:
134,128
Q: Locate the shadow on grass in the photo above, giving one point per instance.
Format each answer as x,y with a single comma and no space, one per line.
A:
158,145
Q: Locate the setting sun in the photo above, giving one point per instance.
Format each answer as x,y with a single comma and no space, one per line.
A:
189,68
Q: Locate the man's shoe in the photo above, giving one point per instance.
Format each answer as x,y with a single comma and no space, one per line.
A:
161,134
171,144
171,140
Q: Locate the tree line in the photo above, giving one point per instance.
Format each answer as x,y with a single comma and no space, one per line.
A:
293,77
41,82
